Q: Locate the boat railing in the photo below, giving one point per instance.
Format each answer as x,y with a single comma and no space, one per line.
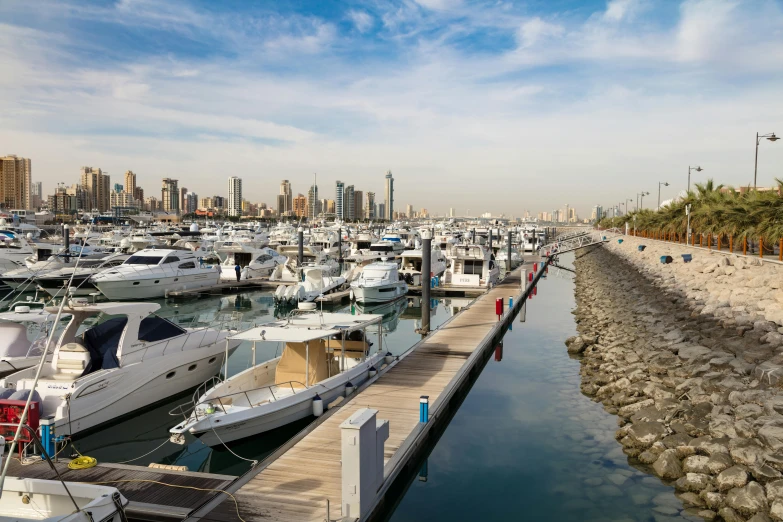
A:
191,409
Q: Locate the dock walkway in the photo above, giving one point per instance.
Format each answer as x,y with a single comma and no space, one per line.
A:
294,483
149,500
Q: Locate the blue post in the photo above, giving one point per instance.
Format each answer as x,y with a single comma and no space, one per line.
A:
424,408
510,303
47,436
424,472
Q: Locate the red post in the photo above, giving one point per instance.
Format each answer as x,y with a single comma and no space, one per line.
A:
499,307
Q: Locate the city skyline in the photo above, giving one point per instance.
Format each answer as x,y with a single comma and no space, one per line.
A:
581,97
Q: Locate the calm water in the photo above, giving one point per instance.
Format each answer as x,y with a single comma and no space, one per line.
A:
132,438
527,445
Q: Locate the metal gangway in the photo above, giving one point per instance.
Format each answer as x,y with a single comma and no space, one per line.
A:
575,241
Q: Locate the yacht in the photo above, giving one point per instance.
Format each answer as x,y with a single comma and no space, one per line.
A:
22,277
33,499
411,265
152,273
379,282
14,249
324,356
255,262
115,358
471,265
77,274
387,248
23,335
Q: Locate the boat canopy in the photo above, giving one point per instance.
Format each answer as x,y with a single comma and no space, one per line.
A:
301,364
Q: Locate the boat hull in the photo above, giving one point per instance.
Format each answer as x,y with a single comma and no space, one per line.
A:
125,289
380,294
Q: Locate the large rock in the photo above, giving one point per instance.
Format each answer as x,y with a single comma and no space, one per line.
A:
691,353
772,435
776,510
749,452
668,465
644,434
747,501
575,345
774,490
696,464
694,482
733,477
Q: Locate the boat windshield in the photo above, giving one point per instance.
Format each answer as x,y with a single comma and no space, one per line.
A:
143,260
375,275
360,245
381,248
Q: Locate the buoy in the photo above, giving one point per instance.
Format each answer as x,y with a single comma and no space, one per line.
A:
389,357
318,406
373,372
304,305
348,388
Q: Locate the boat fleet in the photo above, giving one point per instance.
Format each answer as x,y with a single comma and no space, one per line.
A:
89,349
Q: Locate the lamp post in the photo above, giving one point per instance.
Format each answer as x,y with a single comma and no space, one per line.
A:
642,199
697,169
688,231
665,184
771,137
627,204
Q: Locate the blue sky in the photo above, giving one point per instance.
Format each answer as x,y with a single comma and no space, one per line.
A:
495,106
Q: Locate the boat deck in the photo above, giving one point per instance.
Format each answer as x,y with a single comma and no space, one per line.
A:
295,482
149,499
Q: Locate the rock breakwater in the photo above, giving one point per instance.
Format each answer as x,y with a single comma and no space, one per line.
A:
695,391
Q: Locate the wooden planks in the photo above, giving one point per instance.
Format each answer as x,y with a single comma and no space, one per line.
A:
296,486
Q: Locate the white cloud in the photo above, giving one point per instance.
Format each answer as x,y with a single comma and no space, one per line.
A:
618,10
361,19
535,30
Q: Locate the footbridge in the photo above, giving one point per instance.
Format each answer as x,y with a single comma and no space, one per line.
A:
576,240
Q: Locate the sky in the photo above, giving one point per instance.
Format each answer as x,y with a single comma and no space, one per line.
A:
485,106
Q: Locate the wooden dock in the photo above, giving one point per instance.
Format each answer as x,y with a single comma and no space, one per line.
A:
149,500
295,482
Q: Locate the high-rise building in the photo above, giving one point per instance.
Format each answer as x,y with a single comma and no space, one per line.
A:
118,187
152,204
598,213
312,202
331,206
191,203
182,192
285,199
349,204
389,201
339,202
381,211
369,209
234,196
451,212
300,206
36,195
138,194
130,183
96,189
358,204
169,195
15,181
409,211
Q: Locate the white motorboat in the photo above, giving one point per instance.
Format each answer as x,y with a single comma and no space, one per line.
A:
325,356
29,499
127,360
502,255
379,282
55,282
152,273
471,265
316,282
14,248
255,262
387,248
310,257
411,265
23,335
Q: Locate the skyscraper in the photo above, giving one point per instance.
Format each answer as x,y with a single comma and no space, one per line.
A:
409,211
234,196
381,210
191,203
130,182
389,201
96,189
369,209
358,204
312,202
339,202
182,193
299,207
36,196
15,181
349,204
285,199
169,195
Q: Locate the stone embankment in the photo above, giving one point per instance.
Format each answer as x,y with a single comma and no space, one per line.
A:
687,356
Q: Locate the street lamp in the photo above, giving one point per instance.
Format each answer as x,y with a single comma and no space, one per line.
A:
771,137
627,206
688,231
665,184
641,207
697,169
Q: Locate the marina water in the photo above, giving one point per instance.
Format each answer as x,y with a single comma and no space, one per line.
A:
527,445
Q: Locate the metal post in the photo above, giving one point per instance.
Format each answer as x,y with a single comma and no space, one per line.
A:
300,257
756,165
426,275
340,248
424,408
67,240
508,263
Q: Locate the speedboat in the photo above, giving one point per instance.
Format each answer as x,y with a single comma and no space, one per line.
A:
411,265
152,273
31,499
325,356
128,359
316,282
255,262
379,282
23,335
